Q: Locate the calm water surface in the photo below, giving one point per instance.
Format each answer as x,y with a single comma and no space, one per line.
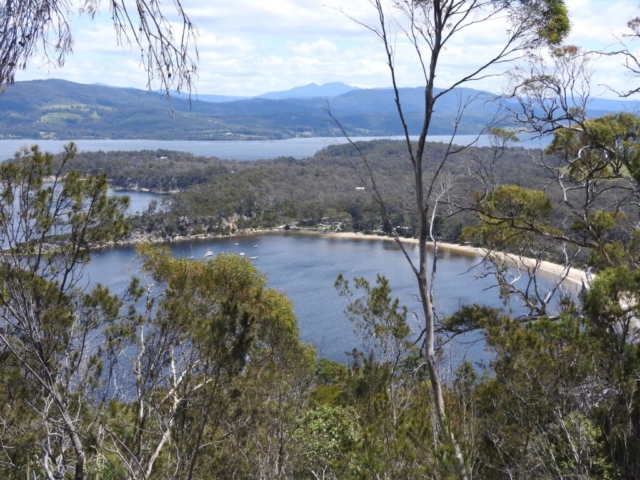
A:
138,201
306,267
234,150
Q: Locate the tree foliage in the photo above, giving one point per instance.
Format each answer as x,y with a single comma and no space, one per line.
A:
57,337
32,27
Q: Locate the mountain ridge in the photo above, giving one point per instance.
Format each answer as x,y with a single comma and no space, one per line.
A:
311,90
66,110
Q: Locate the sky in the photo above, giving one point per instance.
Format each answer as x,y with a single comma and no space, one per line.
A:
249,47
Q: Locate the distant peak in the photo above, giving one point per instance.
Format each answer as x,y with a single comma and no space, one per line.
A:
311,90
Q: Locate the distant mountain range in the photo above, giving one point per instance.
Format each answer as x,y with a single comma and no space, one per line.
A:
66,110
312,90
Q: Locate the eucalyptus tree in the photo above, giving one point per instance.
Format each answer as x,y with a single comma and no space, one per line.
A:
57,335
591,168
32,27
587,210
429,27
210,334
384,389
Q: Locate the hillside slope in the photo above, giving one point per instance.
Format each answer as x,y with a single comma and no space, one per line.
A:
65,110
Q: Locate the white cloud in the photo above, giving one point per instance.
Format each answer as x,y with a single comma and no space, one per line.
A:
248,47
321,47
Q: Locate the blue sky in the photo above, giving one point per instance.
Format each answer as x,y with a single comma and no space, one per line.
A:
248,47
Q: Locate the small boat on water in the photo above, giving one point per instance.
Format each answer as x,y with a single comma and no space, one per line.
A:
236,244
255,246
241,254
253,258
208,253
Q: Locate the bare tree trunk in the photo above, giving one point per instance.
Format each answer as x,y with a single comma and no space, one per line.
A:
429,25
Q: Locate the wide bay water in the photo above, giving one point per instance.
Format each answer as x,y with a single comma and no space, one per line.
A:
305,267
226,150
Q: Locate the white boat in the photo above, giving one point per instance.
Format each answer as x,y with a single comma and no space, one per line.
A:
236,244
253,258
208,253
255,246
241,254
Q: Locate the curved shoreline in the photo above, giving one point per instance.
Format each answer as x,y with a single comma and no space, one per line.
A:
574,275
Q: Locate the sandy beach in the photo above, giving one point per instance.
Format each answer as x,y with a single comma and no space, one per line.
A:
574,275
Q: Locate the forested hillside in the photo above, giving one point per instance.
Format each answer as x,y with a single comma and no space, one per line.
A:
64,110
208,192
